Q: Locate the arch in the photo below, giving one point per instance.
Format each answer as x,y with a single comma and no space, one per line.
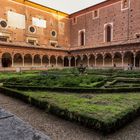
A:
53,61
128,58
91,60
82,37
66,61
85,60
28,60
60,61
99,60
37,60
45,60
78,60
108,33
6,60
117,59
18,59
72,61
138,59
108,60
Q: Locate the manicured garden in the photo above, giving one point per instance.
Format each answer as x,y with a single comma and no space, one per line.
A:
56,91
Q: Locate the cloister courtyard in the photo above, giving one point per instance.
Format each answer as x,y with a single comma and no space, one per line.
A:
69,76
67,104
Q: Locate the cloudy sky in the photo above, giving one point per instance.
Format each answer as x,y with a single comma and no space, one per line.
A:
68,6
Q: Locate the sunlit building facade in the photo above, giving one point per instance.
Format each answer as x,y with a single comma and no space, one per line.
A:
101,36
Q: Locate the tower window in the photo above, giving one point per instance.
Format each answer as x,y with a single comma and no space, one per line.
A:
74,20
108,33
95,14
82,37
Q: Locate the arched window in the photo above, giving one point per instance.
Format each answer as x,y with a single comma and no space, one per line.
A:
108,33
82,38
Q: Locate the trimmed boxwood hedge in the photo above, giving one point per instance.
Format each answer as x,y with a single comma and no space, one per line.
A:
76,89
85,120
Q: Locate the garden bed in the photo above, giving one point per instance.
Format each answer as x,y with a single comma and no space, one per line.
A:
104,112
76,89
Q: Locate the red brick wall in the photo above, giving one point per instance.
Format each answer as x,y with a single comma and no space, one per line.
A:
43,35
125,23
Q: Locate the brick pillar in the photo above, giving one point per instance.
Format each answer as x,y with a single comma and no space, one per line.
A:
32,61
49,61
122,60
103,60
56,61
69,58
134,60
41,60
88,60
96,61
23,61
12,61
75,61
63,61
112,60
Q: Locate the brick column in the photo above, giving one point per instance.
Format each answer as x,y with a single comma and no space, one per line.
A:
75,61
95,60
23,60
88,60
69,58
41,60
134,60
32,61
12,60
122,60
56,61
49,61
103,60
112,60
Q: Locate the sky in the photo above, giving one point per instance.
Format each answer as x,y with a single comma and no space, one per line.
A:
68,6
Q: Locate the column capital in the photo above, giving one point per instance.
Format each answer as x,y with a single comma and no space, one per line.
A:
69,58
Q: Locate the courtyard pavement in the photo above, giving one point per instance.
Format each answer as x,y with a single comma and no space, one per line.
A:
13,128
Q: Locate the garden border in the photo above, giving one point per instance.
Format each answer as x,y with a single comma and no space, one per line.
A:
102,127
76,90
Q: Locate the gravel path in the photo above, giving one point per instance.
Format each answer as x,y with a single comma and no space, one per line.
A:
59,129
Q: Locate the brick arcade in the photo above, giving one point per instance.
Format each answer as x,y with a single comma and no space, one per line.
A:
100,36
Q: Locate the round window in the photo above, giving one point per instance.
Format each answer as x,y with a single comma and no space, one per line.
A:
54,33
3,24
32,29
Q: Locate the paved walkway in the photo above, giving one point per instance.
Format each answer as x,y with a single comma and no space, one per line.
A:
13,128
58,129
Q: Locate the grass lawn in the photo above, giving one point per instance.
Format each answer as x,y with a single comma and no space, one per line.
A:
71,78
9,75
105,107
103,112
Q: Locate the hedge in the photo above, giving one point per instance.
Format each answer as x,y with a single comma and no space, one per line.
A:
76,89
85,120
